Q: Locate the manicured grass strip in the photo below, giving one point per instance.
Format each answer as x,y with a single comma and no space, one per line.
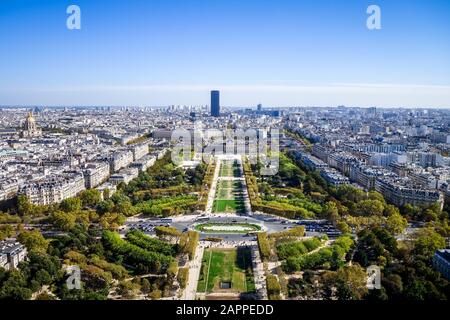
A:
230,169
226,265
204,270
228,206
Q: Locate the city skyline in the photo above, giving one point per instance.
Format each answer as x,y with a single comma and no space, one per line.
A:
341,186
206,151
297,53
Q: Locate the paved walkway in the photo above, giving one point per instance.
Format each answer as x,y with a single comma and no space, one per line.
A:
194,273
259,274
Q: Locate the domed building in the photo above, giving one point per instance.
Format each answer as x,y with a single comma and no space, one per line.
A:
30,128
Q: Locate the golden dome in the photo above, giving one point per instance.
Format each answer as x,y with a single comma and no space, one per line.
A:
30,117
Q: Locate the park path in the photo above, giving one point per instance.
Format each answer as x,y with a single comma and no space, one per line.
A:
258,273
212,191
190,291
326,244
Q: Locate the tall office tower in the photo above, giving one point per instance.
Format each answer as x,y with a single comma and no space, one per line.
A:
259,107
215,103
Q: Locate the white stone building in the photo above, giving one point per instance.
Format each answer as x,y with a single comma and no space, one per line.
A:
54,189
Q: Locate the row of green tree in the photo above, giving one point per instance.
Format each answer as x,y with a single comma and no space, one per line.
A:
326,258
139,239
143,260
407,268
164,207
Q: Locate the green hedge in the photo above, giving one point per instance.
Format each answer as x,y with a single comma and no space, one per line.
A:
264,246
293,232
138,238
162,231
206,185
183,277
168,206
188,243
273,286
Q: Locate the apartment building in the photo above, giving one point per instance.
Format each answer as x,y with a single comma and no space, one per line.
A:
11,254
8,188
441,262
144,163
54,189
4,261
120,159
333,177
124,175
401,193
108,189
320,152
139,151
95,174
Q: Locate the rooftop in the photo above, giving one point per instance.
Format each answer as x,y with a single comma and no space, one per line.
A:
8,246
444,254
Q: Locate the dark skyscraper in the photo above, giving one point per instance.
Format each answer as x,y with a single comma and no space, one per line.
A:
215,103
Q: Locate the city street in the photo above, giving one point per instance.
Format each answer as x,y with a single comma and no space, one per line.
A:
268,223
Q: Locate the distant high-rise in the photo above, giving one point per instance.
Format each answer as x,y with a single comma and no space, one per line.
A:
215,103
259,107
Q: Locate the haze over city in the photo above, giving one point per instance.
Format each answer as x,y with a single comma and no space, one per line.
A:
288,53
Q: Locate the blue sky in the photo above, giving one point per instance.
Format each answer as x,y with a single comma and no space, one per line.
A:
274,52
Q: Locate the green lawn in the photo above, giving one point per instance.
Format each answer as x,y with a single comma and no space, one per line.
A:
230,169
229,184
226,265
229,206
229,194
224,193
226,184
226,169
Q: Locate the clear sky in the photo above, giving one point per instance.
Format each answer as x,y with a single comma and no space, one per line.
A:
274,52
